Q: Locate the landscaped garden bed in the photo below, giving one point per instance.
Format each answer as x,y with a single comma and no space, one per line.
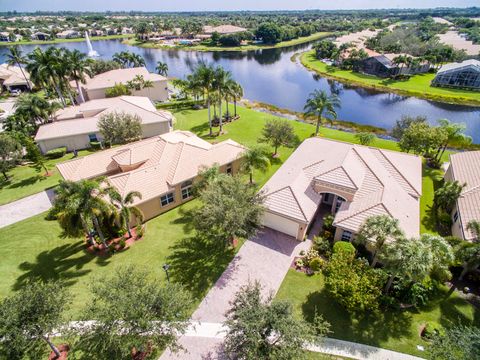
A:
117,244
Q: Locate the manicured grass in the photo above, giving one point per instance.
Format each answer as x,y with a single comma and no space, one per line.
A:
58,41
394,330
35,249
25,180
432,180
418,85
301,40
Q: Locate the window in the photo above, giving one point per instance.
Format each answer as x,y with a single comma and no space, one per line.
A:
186,190
167,199
92,137
455,216
346,235
229,169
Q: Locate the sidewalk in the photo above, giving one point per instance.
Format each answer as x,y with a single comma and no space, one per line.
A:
27,207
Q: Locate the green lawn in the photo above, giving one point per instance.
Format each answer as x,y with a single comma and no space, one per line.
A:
25,180
394,330
58,41
418,85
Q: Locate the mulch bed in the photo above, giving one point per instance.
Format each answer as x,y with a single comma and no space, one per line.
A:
63,349
303,269
99,249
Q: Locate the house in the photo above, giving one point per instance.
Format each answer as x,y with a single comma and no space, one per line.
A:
464,75
95,87
41,36
384,66
5,36
352,182
162,168
76,126
223,29
12,78
68,34
465,168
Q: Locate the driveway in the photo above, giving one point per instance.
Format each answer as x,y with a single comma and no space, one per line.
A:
266,258
27,207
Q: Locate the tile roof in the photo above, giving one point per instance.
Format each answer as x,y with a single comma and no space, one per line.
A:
466,169
455,66
83,119
112,77
383,182
159,162
12,75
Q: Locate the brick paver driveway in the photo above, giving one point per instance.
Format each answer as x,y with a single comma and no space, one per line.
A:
265,258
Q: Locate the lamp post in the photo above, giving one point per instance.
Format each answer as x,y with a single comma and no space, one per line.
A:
166,267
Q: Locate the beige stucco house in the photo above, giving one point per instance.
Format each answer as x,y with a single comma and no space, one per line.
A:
353,182
95,87
465,168
76,126
11,78
161,168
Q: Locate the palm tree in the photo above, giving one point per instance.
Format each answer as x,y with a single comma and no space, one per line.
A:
15,57
376,231
237,93
35,108
221,79
469,255
255,158
474,227
204,75
229,91
162,68
124,205
455,135
447,195
78,68
318,103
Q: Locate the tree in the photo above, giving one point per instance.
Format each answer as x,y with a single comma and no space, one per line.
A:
35,108
204,76
404,123
124,205
98,66
236,93
454,135
325,49
162,68
365,138
255,158
261,329
120,128
229,209
29,317
10,153
221,78
469,255
447,195
270,33
15,57
423,139
474,227
78,69
134,312
376,231
277,133
35,156
318,103
118,89
456,343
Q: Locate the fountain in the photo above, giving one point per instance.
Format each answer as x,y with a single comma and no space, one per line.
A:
91,52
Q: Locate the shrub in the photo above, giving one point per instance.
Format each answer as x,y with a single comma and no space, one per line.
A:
432,329
111,248
122,243
56,153
316,264
419,293
95,145
299,263
328,223
322,245
309,256
344,247
139,230
117,90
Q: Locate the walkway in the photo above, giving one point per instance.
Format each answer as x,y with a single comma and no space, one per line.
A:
27,207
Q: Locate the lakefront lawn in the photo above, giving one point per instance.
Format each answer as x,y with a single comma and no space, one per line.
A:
418,85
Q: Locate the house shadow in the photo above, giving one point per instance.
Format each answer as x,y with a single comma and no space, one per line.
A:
197,262
370,329
430,220
59,264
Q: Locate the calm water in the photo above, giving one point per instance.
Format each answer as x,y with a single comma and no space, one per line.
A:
270,76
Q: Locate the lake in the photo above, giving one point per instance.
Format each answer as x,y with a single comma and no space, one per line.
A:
270,76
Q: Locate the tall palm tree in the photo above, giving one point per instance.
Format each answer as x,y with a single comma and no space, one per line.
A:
255,158
205,75
237,93
376,231
35,108
15,57
124,205
455,135
221,79
229,93
318,103
162,68
78,69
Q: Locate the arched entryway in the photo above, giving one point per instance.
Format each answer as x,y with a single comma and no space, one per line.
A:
329,204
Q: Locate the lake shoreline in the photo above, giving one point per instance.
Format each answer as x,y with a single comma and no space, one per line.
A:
61,41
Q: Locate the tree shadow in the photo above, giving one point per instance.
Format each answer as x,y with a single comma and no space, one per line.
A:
371,329
60,263
25,182
197,262
186,219
430,220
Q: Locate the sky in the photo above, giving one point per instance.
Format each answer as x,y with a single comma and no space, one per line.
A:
211,5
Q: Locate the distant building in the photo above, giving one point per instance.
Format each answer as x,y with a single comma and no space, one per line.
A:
4,36
40,36
223,29
384,66
465,168
11,78
68,34
464,75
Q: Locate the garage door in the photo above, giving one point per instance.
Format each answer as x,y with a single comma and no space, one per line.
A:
281,224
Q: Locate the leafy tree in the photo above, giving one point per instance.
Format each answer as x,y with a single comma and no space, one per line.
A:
15,57
35,156
29,317
10,153
447,195
229,208
124,205
261,329
325,49
423,139
277,133
118,89
215,38
255,158
454,135
365,138
376,231
99,66
134,312
270,33
456,343
318,103
474,227
404,123
469,255
162,68
120,128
